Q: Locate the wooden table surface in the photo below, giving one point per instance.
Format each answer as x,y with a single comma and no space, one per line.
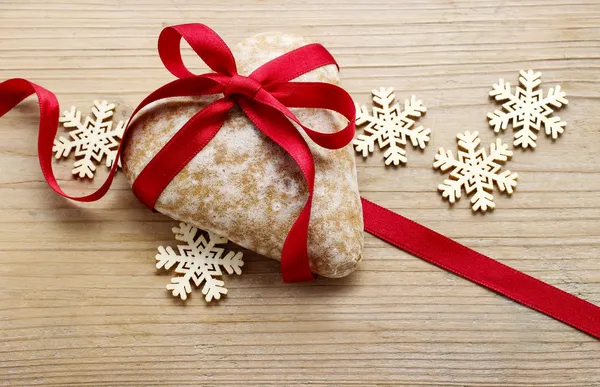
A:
81,302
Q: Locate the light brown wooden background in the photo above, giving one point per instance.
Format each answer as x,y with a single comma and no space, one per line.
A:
80,300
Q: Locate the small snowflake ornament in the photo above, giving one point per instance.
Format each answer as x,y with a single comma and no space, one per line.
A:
389,126
475,171
93,139
199,260
527,108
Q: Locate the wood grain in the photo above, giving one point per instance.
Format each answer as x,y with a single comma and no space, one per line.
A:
81,303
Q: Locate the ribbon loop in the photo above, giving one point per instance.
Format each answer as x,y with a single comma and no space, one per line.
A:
205,42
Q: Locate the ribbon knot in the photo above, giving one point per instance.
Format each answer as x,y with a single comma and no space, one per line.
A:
240,85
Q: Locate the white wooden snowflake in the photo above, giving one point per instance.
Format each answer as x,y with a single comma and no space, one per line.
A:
474,170
527,108
93,139
199,260
389,126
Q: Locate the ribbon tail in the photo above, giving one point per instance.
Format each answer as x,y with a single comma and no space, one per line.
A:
460,260
179,151
294,255
16,90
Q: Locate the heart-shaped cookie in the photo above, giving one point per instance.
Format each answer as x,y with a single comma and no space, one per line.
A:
244,186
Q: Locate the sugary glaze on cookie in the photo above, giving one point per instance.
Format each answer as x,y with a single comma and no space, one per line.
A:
245,187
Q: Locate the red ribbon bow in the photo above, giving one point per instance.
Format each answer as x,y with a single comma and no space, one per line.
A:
265,96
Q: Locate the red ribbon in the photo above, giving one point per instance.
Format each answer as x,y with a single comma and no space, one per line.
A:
265,96
461,260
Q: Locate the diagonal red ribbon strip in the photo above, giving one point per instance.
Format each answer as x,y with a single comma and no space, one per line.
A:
441,251
265,97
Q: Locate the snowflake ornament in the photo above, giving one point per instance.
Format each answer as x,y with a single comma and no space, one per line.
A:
93,139
389,126
199,260
475,170
527,108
